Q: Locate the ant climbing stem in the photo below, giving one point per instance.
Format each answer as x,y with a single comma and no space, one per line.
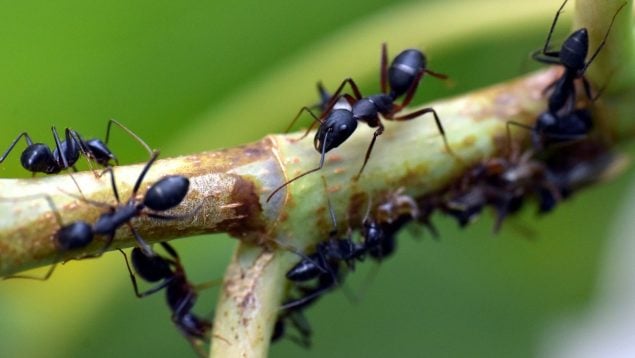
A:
572,56
180,293
401,78
38,157
324,264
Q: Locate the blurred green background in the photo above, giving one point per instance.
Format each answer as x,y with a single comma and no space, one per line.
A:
192,75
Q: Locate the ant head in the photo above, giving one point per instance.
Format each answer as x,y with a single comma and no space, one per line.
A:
100,152
335,130
404,69
574,50
166,193
150,268
74,236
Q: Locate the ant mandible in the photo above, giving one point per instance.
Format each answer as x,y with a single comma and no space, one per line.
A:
572,56
337,125
38,157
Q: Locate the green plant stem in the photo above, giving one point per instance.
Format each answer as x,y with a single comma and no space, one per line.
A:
230,186
222,198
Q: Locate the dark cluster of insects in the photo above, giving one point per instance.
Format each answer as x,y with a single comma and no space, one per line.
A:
165,194
563,156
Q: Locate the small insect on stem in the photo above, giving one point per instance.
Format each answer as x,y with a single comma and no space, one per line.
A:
336,125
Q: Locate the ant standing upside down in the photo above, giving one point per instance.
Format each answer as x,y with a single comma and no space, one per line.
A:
338,124
563,121
180,294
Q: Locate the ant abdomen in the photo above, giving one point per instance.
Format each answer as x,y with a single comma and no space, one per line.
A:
32,159
166,193
404,69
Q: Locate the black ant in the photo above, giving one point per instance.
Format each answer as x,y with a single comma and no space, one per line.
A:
165,194
572,56
379,230
503,184
38,157
323,264
558,123
337,125
180,293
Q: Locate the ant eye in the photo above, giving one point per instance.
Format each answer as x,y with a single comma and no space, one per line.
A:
343,127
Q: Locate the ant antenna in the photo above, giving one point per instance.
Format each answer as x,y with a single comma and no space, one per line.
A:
553,26
328,201
323,154
130,133
597,51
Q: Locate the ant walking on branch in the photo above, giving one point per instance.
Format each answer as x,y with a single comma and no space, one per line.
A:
165,194
338,124
38,157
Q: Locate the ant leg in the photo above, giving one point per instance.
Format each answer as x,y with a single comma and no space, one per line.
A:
295,119
377,133
104,248
383,69
113,184
154,157
438,75
336,94
58,145
549,58
135,286
170,250
545,49
143,245
439,127
85,151
15,141
309,297
604,39
410,93
130,133
588,92
303,174
84,199
43,278
300,323
58,217
328,201
509,134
